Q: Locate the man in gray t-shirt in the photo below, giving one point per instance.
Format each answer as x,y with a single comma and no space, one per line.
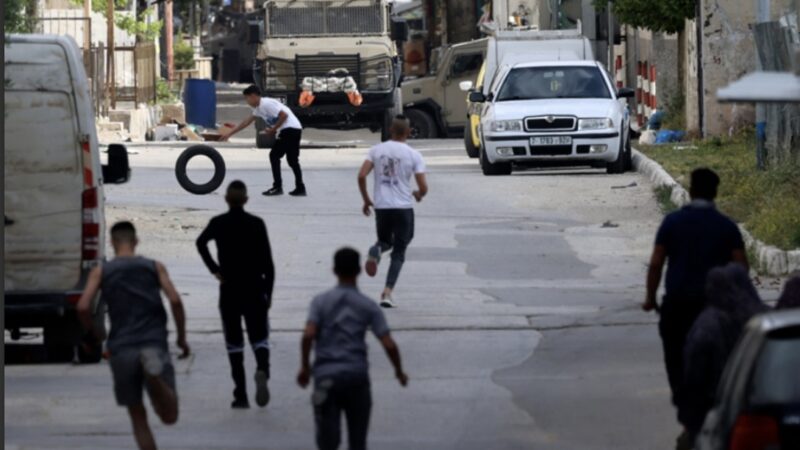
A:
336,328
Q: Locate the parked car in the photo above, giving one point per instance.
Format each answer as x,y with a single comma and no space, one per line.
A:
54,219
758,401
554,113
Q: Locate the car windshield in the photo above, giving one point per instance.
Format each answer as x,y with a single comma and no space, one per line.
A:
538,83
775,380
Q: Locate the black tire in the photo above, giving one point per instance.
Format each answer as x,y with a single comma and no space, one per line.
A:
263,140
618,165
628,155
490,169
58,342
472,150
422,124
183,162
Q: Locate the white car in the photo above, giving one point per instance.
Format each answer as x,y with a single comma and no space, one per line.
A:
562,113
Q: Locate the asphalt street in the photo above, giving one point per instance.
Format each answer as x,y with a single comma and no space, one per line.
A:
518,317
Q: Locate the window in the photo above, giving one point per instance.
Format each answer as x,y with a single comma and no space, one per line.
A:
536,83
775,380
466,63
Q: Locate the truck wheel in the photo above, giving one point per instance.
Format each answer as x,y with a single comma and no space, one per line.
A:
490,169
183,162
422,125
472,150
386,125
58,342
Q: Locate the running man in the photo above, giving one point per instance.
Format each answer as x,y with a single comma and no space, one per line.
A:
289,131
394,163
247,275
131,287
337,325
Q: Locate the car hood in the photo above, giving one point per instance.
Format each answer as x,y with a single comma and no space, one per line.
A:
581,108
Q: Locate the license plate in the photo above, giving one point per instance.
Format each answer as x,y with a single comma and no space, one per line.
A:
551,140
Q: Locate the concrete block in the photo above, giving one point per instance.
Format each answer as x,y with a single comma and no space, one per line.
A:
176,111
793,261
110,126
773,260
135,121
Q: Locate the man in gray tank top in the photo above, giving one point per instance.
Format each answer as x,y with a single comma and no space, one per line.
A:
131,286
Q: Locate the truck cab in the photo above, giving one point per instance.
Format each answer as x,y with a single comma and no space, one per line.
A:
435,104
334,63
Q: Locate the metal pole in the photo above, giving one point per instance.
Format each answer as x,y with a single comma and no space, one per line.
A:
610,38
762,16
87,31
700,85
169,43
111,94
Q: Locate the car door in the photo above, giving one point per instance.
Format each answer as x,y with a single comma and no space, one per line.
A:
465,65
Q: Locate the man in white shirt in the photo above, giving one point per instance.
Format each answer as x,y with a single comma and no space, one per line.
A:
394,163
289,132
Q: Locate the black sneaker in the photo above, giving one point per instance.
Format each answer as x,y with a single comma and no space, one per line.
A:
240,403
298,192
273,191
262,391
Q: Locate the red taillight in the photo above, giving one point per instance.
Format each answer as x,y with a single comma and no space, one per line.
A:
755,433
90,241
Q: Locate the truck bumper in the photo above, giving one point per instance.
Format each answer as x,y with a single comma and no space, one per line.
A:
33,310
585,149
333,111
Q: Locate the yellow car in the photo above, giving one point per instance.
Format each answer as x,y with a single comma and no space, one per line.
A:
472,141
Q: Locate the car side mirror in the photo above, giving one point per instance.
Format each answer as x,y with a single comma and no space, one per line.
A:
118,169
477,97
399,30
626,93
465,86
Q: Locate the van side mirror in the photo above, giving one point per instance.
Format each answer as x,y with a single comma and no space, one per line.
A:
477,97
626,93
399,30
465,85
118,169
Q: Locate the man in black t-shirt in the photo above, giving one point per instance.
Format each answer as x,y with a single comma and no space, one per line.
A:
694,239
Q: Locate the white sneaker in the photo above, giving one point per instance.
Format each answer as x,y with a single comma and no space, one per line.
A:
386,301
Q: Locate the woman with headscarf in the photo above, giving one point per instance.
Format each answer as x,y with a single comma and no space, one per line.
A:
790,297
732,302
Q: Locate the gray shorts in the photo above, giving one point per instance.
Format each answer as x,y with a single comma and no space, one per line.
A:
128,374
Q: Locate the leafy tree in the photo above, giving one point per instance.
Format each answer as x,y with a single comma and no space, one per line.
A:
16,16
136,26
666,16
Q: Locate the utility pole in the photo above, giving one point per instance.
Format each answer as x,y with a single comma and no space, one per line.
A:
610,39
169,43
87,25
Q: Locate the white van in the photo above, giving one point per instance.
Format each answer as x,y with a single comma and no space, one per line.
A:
54,220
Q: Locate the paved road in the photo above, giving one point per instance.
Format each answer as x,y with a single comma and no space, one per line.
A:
518,319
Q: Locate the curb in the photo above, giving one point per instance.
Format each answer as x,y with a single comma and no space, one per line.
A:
770,260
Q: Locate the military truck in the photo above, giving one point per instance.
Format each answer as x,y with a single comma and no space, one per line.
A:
435,104
334,63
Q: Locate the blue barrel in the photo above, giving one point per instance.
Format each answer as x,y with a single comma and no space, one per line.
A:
200,98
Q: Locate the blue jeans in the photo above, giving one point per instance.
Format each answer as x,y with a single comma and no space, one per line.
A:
395,231
331,397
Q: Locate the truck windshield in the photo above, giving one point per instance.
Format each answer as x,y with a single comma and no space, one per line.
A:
538,83
321,18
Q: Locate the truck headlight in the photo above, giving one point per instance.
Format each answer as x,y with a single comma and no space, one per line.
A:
505,125
595,124
377,75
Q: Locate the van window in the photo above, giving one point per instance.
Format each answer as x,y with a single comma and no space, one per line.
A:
536,83
466,63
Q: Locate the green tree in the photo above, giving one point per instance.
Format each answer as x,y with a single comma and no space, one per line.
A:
16,15
666,16
137,26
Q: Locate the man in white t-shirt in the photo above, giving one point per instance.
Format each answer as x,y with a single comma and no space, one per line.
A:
394,163
289,131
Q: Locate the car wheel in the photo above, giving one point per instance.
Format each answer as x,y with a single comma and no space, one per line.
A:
422,125
183,162
628,155
491,169
472,150
618,165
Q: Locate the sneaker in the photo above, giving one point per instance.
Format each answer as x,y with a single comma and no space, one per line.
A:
298,192
152,362
240,403
262,391
386,301
371,267
273,191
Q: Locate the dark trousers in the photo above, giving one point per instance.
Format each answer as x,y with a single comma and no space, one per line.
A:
331,398
395,231
288,143
244,301
678,314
